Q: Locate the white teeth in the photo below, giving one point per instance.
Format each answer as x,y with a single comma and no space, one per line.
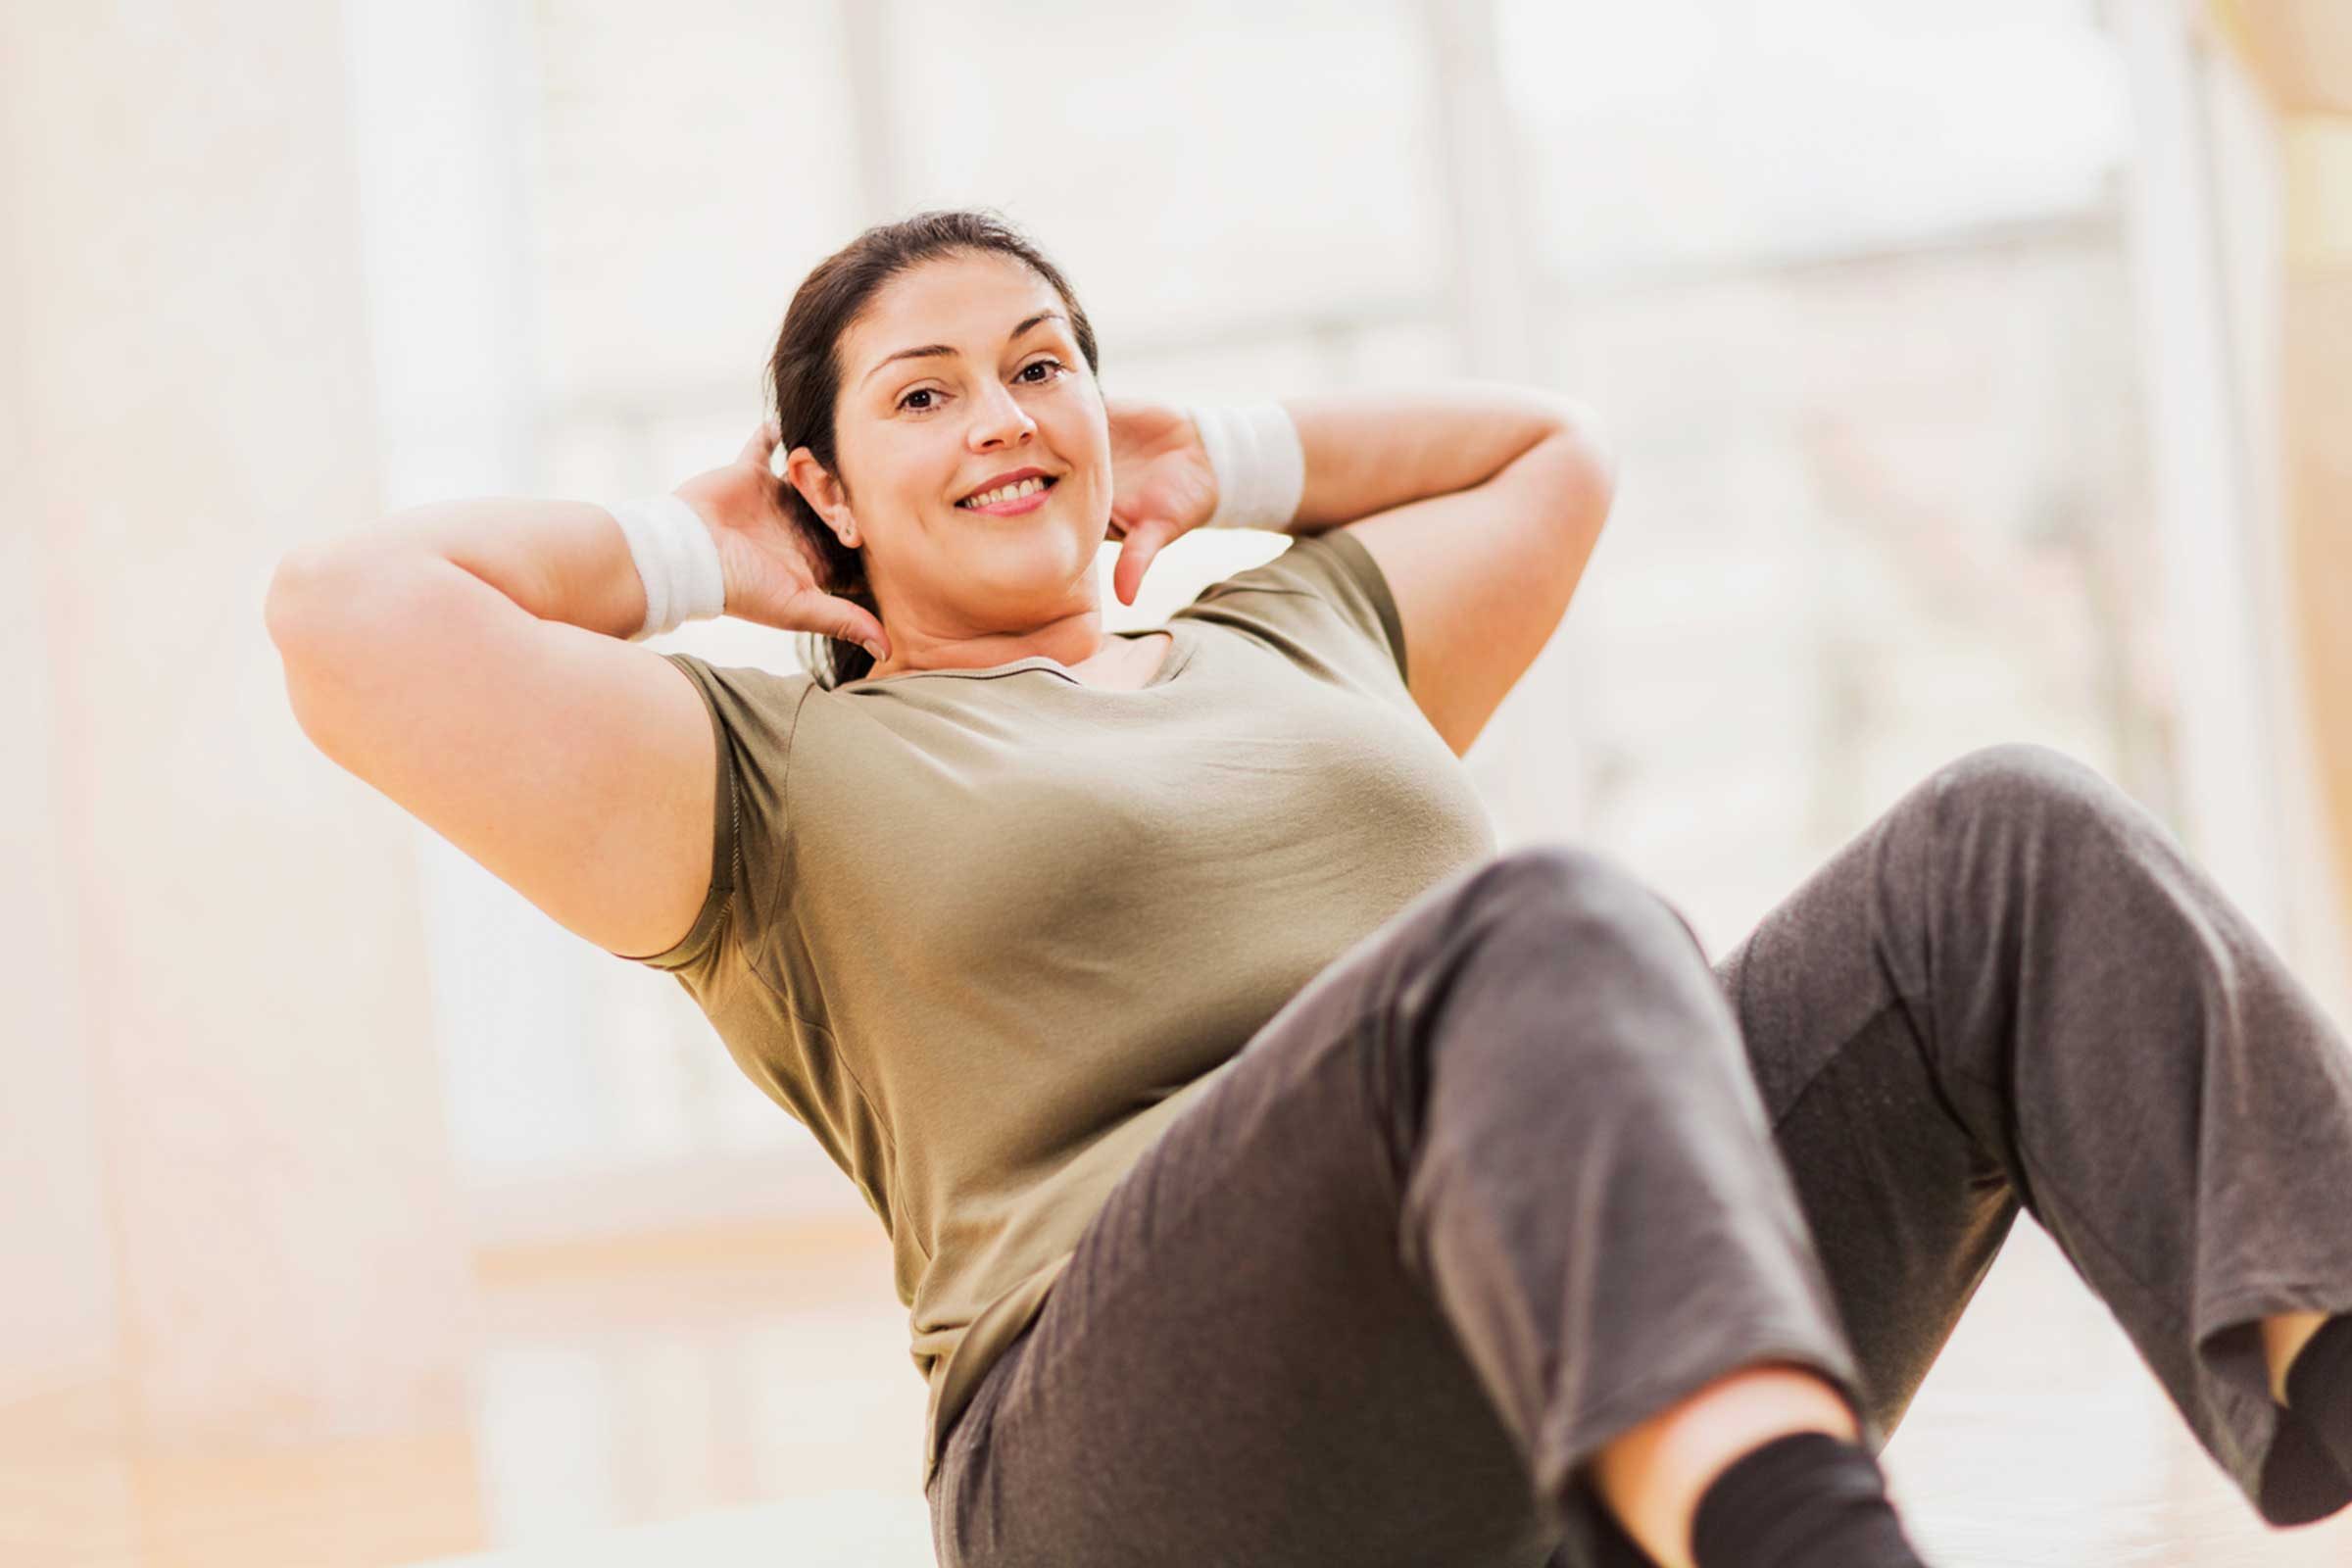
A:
1010,492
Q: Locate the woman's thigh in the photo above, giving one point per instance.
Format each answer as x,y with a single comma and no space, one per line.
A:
1236,1365
1906,1207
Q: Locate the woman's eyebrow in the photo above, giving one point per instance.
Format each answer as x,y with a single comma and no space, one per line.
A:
935,350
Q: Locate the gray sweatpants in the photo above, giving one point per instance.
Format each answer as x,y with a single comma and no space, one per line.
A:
1518,1172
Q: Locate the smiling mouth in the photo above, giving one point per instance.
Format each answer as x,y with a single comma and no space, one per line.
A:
1019,503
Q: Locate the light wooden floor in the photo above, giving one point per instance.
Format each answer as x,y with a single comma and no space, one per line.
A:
739,1397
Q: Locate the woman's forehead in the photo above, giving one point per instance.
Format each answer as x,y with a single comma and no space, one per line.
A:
967,303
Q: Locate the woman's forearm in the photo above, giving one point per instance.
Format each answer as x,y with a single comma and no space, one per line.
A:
562,561
1367,450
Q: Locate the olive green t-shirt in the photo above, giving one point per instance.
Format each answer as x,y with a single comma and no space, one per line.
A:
986,932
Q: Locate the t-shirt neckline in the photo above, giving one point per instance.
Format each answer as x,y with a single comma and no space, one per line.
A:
1179,653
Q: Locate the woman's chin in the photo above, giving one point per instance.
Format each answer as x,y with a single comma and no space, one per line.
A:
1044,543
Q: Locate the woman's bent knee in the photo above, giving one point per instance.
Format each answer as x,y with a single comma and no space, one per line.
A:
1570,883
1560,949
2019,780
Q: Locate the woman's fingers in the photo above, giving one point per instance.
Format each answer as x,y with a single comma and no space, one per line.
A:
762,442
1135,549
839,618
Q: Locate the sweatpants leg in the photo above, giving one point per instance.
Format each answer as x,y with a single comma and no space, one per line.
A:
2013,988
1490,1189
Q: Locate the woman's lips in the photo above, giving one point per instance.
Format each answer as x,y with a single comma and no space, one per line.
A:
1018,504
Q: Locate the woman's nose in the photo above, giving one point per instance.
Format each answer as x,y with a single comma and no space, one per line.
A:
1000,418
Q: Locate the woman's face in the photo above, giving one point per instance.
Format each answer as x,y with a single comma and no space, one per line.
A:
1001,386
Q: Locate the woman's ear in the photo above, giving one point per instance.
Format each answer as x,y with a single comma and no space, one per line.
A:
823,494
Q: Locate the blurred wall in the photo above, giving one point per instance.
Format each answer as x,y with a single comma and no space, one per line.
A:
2298,56
2318,394
228,1180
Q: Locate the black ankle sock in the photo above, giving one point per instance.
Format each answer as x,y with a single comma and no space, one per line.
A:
2318,1387
1810,1499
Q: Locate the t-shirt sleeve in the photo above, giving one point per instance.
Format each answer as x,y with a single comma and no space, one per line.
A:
1324,600
754,713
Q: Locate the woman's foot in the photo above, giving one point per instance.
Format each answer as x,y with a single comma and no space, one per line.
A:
2319,1386
1805,1500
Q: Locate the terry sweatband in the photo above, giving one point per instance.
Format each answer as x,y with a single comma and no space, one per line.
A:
1260,468
677,559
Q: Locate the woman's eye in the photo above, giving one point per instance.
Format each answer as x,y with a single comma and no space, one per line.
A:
907,404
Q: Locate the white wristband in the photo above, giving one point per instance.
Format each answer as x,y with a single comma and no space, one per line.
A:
677,559
1260,468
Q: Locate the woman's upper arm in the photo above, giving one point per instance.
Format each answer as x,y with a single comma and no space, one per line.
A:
580,769
1481,578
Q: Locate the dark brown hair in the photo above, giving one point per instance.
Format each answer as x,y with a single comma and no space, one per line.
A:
804,375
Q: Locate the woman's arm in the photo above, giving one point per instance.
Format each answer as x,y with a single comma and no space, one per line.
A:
1368,451
563,561
475,661
571,561
437,658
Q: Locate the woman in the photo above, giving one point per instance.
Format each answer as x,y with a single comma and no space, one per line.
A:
1275,1173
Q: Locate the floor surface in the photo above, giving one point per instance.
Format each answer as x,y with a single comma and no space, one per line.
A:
746,1397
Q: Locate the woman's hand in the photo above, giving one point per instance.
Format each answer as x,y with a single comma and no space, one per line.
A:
1162,486
769,566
